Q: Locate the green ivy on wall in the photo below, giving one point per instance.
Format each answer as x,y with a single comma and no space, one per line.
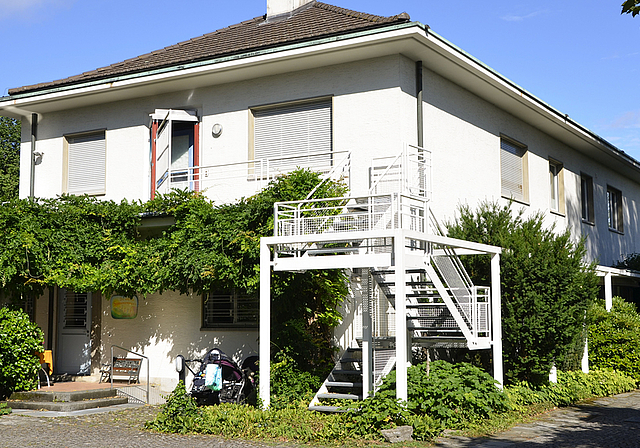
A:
83,244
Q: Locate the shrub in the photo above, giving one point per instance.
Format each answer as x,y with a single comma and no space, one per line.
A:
180,414
288,383
375,413
293,423
571,387
450,393
614,337
546,288
4,409
20,339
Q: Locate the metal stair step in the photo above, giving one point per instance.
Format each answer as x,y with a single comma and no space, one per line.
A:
346,372
346,360
343,384
336,396
327,409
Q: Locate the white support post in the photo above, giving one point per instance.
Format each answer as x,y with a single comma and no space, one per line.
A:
585,357
264,349
608,291
367,337
496,320
401,317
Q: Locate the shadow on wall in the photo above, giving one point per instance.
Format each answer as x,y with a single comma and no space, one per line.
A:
168,325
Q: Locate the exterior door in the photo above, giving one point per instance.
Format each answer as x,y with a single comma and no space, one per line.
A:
74,333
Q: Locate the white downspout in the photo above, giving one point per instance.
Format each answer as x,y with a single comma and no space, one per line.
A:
496,317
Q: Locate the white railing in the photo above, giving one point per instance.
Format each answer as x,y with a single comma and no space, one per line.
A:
351,214
409,172
231,181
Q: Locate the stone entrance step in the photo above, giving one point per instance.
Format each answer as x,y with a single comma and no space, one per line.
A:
65,401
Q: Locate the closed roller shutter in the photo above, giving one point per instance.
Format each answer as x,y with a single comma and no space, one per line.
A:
511,170
87,164
294,135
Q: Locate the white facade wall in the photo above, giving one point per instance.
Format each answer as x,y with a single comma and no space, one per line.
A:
463,132
169,325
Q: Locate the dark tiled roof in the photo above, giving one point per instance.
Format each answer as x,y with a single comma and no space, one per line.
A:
311,21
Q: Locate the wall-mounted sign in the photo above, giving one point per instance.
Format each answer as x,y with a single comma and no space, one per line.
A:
124,307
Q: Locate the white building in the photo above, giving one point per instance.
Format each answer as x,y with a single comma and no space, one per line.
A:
304,85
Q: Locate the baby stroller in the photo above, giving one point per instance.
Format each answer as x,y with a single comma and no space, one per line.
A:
219,379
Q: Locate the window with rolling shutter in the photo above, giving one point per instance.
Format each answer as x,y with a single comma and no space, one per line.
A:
294,135
513,170
86,164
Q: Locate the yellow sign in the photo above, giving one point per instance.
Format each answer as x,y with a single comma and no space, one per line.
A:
124,307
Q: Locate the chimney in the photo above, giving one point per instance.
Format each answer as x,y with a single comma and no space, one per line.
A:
277,8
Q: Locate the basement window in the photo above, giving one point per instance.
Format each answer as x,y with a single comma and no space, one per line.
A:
229,310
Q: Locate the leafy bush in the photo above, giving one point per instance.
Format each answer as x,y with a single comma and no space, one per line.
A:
4,409
571,387
20,339
546,289
451,393
180,414
375,413
293,423
614,337
288,383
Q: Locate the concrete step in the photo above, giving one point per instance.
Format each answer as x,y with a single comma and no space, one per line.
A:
64,397
68,406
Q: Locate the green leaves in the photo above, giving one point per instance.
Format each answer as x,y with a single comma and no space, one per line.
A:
20,339
631,7
614,337
9,158
546,288
453,394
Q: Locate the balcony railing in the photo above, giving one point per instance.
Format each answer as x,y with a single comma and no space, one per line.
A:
351,214
230,181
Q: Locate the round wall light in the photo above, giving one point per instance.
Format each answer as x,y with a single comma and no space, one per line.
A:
216,130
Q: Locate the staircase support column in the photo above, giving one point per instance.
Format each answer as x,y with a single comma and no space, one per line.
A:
401,317
265,325
367,335
496,317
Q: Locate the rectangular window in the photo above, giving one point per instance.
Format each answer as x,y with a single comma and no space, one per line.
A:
614,209
556,186
294,135
513,170
85,164
229,310
586,190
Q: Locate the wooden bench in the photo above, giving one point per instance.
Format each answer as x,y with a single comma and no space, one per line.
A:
127,368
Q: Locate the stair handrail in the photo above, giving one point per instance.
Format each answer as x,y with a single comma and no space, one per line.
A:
340,165
146,358
386,171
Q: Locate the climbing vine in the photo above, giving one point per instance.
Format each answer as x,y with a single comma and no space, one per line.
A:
85,244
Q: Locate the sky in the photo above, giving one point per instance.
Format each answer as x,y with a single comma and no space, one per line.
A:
581,57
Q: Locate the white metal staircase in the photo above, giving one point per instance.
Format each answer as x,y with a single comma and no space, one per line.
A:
393,237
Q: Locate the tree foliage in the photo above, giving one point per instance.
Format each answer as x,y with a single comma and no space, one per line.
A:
84,244
631,7
20,339
614,337
546,288
9,158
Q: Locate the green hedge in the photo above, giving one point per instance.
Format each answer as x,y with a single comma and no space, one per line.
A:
614,337
20,339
